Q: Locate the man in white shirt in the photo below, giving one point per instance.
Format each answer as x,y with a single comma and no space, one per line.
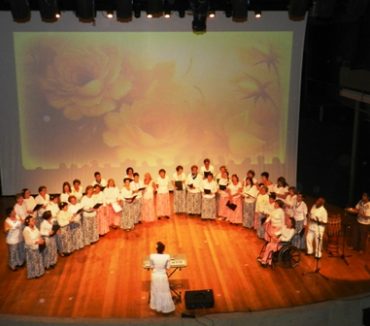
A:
98,180
361,229
316,227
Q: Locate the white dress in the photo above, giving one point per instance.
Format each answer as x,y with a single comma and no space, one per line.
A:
160,293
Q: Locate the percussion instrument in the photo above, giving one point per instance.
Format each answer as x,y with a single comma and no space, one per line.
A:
333,230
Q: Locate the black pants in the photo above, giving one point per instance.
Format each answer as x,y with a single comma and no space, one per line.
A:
360,235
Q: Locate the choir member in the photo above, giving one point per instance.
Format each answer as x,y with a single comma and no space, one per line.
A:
206,168
262,204
137,187
223,195
266,181
13,226
179,194
316,228
251,174
29,200
194,195
361,229
209,187
128,209
129,174
20,207
160,293
53,206
300,211
250,192
222,169
234,204
64,218
42,200
77,189
147,208
50,253
163,195
101,211
66,192
113,208
33,245
290,201
281,189
75,209
276,219
89,224
98,180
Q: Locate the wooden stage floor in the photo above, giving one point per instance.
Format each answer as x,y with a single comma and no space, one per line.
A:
106,280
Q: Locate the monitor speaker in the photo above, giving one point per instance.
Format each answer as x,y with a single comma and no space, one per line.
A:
199,299
366,316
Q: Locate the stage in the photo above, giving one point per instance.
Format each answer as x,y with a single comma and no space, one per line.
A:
107,280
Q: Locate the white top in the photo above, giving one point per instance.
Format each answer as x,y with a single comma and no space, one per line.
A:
277,218
195,181
111,195
159,263
149,191
212,186
318,214
286,234
136,186
14,235
250,193
77,193
73,210
279,190
31,236
204,169
234,189
30,203
64,218
300,211
87,203
223,182
99,198
179,177
42,200
163,184
126,193
53,208
103,182
64,197
290,202
46,228
363,212
21,210
262,203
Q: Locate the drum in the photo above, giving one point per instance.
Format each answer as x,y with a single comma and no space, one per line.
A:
333,230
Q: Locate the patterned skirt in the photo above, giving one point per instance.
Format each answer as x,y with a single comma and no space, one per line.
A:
222,208
208,208
194,203
148,211
35,264
113,217
102,220
16,255
299,239
77,237
259,226
89,228
248,214
128,216
163,205
235,216
179,201
137,209
50,254
65,240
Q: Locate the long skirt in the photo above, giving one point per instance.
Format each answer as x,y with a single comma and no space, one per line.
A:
138,202
260,227
235,216
194,203
65,240
208,208
163,205
113,217
271,247
248,214
222,208
179,201
90,228
77,236
148,211
16,255
160,294
299,239
128,216
50,254
102,220
35,264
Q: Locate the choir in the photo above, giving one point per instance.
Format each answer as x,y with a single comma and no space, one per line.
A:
40,228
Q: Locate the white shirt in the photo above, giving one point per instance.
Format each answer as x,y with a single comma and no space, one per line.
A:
136,186
103,182
73,209
212,186
64,197
77,193
99,198
42,200
126,193
149,191
318,214
203,169
21,210
234,189
195,181
363,212
250,193
159,262
286,234
111,195
31,236
14,235
300,211
163,184
290,201
53,208
45,228
87,203
64,218
30,203
277,218
262,203
223,182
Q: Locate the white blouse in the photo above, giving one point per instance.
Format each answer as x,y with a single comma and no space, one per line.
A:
14,235
250,194
300,211
234,189
159,263
31,236
196,182
30,203
212,186
149,191
45,228
42,200
87,203
262,203
111,195
21,210
136,186
163,184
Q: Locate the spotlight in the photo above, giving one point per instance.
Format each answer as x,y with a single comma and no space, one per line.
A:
167,14
154,8
85,10
20,9
200,12
110,14
211,14
258,14
58,15
124,10
181,6
48,10
149,16
240,10
137,8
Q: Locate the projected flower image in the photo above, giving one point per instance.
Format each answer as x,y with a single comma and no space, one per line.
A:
122,99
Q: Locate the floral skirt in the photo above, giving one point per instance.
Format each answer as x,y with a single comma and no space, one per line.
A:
208,208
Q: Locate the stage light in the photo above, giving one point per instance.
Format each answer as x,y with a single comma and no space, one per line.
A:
240,10
124,10
58,15
200,13
137,8
167,14
85,10
154,8
48,10
258,14
149,16
110,14
211,14
181,6
20,9
167,9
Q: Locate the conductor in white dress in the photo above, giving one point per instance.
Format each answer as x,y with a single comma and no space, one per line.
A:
160,293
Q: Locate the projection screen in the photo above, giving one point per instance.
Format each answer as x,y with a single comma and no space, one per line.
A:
80,98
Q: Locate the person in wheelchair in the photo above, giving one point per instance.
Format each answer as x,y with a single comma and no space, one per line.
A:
278,238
